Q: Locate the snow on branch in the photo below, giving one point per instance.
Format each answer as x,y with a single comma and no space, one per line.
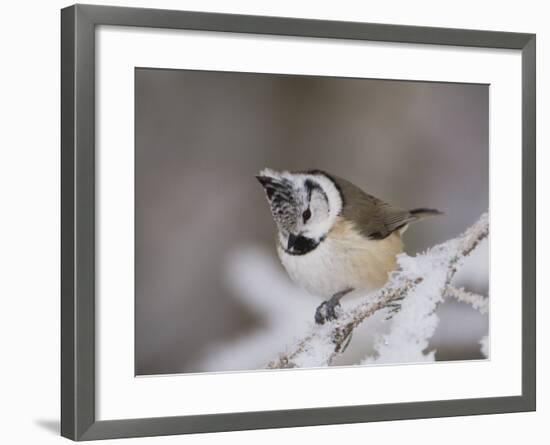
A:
417,287
478,302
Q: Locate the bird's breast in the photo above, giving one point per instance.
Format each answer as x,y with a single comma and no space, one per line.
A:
345,259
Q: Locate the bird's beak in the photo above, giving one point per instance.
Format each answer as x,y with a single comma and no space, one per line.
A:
291,241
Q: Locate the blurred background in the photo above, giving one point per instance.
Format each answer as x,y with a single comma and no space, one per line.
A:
210,293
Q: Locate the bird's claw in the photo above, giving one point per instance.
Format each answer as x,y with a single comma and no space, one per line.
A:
327,311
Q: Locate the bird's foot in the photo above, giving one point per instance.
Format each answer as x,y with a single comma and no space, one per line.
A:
327,311
330,309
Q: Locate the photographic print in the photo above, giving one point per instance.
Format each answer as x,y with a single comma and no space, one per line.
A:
256,210
286,221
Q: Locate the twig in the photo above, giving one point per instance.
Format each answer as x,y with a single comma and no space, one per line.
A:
477,301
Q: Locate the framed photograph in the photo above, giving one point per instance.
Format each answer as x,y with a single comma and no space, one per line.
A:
272,222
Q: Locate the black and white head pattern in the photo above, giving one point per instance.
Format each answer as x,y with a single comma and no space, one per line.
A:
304,206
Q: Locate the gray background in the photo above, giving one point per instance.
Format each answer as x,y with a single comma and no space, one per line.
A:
202,136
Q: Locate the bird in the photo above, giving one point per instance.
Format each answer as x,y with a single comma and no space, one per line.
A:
332,237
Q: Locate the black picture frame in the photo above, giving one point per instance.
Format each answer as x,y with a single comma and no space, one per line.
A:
78,23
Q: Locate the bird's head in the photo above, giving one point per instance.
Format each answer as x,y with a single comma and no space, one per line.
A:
304,206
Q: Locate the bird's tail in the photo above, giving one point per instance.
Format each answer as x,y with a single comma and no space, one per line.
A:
423,213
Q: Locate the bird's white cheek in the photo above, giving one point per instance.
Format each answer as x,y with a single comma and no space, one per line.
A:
317,231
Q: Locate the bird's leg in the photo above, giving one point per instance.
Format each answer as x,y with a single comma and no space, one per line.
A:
327,309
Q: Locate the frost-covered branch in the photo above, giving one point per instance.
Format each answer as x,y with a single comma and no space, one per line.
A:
419,284
478,302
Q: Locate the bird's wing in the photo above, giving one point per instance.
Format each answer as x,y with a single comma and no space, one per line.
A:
373,217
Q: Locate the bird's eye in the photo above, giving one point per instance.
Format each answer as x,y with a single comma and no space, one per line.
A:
306,215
